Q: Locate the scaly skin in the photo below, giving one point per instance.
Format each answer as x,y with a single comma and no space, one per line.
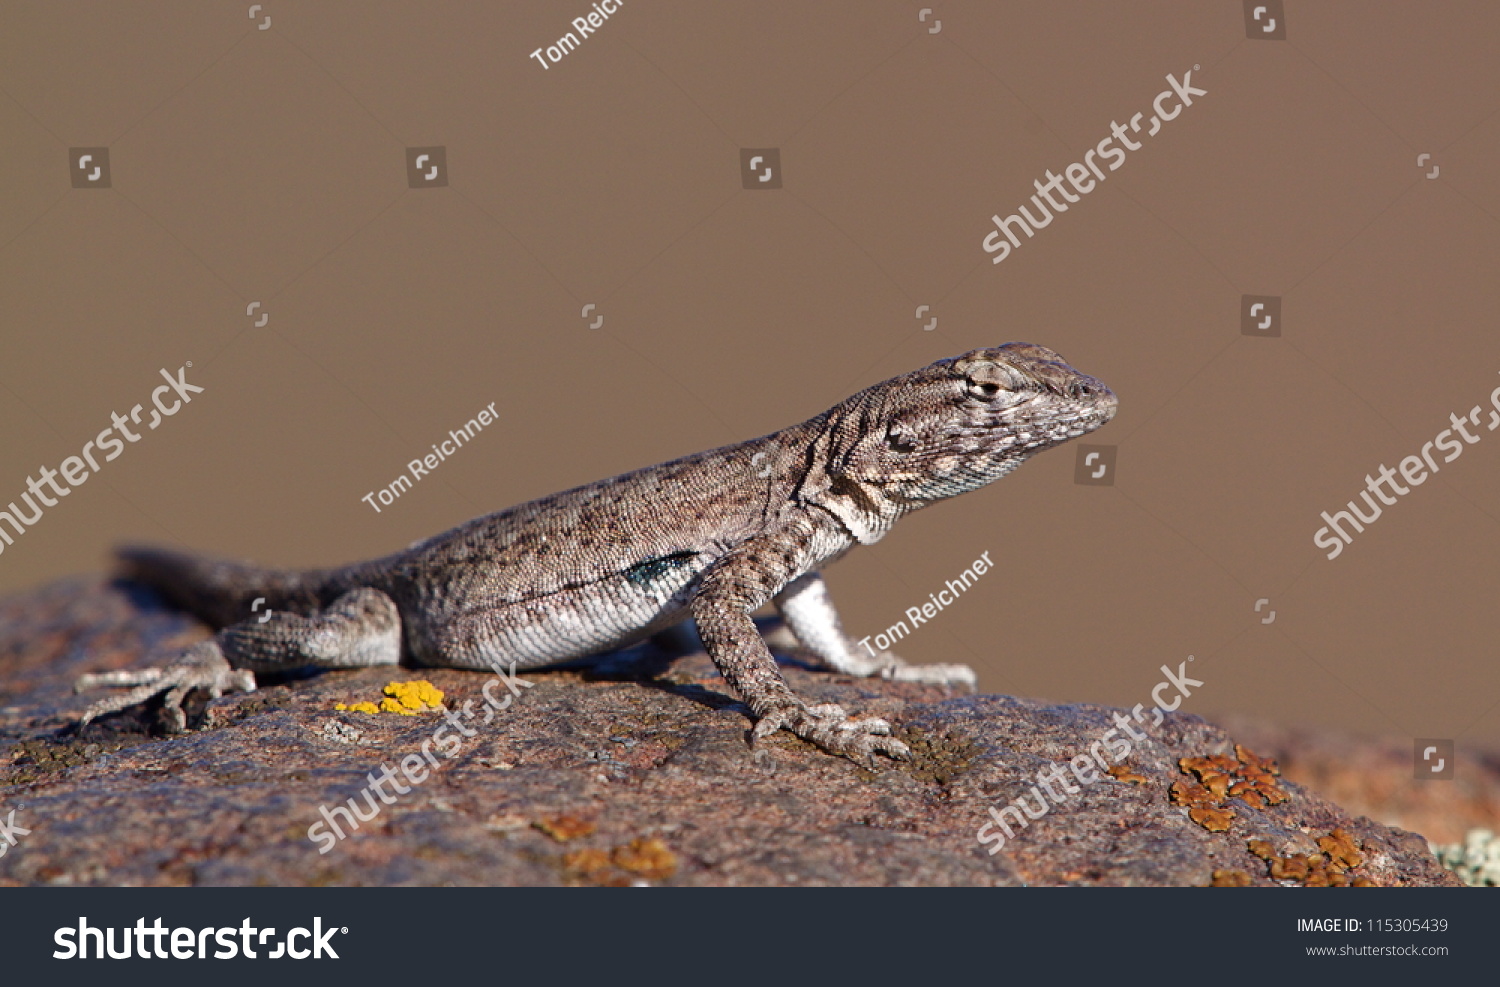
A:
712,536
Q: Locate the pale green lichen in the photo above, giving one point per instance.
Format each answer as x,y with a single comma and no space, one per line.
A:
1476,860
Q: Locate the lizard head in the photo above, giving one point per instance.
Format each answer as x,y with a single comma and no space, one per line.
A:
952,427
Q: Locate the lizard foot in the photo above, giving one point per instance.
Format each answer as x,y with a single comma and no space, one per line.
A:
202,666
933,674
832,729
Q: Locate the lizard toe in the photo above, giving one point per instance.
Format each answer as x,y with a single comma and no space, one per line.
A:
891,747
772,720
862,748
873,725
837,733
202,666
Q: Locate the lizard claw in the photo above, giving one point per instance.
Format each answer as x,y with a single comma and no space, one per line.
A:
202,666
829,727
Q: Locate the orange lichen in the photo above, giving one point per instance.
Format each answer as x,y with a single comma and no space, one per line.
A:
642,858
646,857
1246,776
564,828
1184,792
1222,763
1255,763
1293,868
1258,793
1329,869
590,863
1203,808
1230,878
1252,779
1341,849
1214,773
1125,773
1246,793
1262,849
1215,819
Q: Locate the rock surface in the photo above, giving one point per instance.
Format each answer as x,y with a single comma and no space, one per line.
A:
591,776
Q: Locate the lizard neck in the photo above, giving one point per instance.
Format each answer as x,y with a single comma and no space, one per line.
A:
861,508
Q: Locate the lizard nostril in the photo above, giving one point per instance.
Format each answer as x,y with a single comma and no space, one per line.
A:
1088,389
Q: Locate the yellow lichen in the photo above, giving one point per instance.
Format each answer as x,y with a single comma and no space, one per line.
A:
404,698
413,696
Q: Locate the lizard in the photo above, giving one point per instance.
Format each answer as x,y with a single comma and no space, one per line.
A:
712,536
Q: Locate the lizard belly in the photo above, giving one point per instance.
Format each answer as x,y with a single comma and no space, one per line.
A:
570,623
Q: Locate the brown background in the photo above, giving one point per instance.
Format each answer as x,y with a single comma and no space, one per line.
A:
269,165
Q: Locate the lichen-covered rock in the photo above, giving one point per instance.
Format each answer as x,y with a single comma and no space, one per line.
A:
619,779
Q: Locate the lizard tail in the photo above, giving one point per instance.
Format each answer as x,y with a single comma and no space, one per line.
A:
220,592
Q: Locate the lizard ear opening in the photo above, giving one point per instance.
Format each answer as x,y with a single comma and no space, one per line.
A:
901,438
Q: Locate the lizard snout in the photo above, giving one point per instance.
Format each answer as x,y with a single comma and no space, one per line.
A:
1093,390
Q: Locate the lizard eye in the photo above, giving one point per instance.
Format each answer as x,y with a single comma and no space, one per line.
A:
986,380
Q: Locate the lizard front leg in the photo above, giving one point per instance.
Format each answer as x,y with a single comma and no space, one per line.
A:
361,628
728,594
808,611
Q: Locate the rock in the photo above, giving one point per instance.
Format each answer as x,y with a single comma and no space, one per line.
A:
597,776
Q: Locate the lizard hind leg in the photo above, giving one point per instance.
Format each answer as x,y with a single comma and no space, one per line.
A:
361,628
